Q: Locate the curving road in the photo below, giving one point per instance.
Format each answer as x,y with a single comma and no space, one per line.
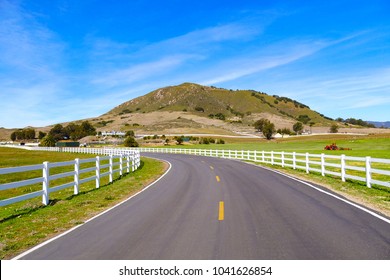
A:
210,208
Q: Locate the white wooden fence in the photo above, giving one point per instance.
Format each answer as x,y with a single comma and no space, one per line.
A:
365,169
113,161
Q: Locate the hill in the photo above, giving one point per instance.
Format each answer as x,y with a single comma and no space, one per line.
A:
193,108
196,109
212,101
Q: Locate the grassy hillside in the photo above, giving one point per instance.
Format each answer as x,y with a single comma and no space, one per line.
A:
234,105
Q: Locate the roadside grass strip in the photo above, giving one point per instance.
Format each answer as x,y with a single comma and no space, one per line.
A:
28,223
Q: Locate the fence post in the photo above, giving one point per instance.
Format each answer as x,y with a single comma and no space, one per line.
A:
255,155
282,159
294,160
76,175
128,163
307,163
272,157
121,165
111,162
46,183
342,167
262,156
322,164
97,172
368,171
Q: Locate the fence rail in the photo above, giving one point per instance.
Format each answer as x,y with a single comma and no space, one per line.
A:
118,161
365,169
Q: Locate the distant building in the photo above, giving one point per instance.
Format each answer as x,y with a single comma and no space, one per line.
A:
113,133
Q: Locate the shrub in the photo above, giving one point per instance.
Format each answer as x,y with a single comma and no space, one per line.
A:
48,141
334,128
199,109
130,142
304,119
332,147
298,127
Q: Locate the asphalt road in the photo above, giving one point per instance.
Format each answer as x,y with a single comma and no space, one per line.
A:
208,208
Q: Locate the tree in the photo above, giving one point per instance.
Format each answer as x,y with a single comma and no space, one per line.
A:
23,134
266,127
87,129
13,136
130,142
298,127
57,132
48,141
29,133
179,140
259,124
334,128
72,131
284,131
41,135
130,133
268,130
304,119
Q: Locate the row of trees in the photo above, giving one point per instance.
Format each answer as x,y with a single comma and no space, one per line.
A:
72,131
23,134
268,128
353,121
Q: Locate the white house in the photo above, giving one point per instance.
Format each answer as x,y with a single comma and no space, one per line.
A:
113,133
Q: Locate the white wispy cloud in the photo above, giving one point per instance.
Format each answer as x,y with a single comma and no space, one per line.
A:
277,54
140,71
140,61
30,72
25,45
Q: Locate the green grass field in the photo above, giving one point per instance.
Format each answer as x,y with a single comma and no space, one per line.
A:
28,223
361,146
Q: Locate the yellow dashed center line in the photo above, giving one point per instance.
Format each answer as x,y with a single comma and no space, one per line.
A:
212,168
221,211
217,177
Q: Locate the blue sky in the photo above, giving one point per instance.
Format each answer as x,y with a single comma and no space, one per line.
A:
66,60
